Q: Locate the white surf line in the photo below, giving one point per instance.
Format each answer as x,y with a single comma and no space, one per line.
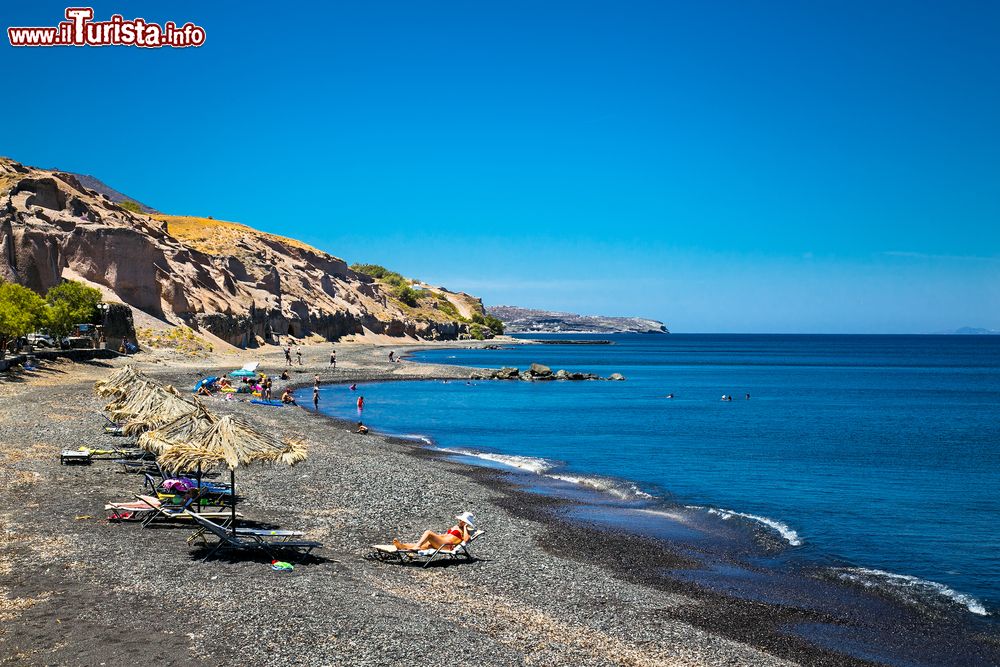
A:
783,529
905,583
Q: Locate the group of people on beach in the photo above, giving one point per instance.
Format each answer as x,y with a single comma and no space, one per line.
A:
288,356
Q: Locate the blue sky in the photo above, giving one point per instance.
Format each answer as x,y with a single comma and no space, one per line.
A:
722,166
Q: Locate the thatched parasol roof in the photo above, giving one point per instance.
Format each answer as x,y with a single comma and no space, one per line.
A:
120,381
135,399
231,443
167,410
147,405
185,429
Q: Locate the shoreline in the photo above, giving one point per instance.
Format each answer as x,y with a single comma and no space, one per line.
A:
517,483
536,592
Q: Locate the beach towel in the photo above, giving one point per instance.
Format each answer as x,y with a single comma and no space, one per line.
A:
272,403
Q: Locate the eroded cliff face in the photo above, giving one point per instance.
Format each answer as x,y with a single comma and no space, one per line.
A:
234,281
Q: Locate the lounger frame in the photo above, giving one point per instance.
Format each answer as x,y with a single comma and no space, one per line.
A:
461,551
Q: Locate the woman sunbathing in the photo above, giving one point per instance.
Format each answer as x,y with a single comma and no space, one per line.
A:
431,540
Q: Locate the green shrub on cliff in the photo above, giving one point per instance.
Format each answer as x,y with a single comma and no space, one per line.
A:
130,205
401,289
477,332
495,325
381,273
447,307
406,294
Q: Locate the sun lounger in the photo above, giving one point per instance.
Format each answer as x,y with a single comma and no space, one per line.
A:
212,493
167,513
87,455
274,535
252,541
75,456
111,427
144,466
389,553
133,510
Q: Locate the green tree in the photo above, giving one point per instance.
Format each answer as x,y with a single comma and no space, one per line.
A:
70,303
495,325
407,295
130,205
21,312
477,332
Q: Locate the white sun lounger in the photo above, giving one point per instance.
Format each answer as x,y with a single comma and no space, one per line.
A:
388,553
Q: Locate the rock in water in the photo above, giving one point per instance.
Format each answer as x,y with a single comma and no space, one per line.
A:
539,370
616,376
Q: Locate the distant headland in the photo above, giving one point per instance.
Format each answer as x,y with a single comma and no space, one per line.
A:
527,320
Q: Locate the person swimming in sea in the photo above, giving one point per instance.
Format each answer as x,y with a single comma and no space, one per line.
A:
670,395
354,387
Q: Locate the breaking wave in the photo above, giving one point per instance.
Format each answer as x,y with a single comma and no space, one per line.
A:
782,529
910,589
619,489
622,490
416,437
530,463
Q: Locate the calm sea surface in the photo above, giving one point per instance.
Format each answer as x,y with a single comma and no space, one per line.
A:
877,456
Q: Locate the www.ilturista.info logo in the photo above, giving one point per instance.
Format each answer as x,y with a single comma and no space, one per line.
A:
79,29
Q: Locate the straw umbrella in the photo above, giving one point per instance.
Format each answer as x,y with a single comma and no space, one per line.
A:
118,382
162,408
232,443
140,397
182,430
147,405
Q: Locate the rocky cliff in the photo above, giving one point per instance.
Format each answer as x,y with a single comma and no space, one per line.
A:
238,283
526,320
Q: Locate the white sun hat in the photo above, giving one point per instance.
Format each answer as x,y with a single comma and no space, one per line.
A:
467,518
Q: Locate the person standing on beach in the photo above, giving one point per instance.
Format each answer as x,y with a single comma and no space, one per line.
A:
298,354
333,359
391,355
288,356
